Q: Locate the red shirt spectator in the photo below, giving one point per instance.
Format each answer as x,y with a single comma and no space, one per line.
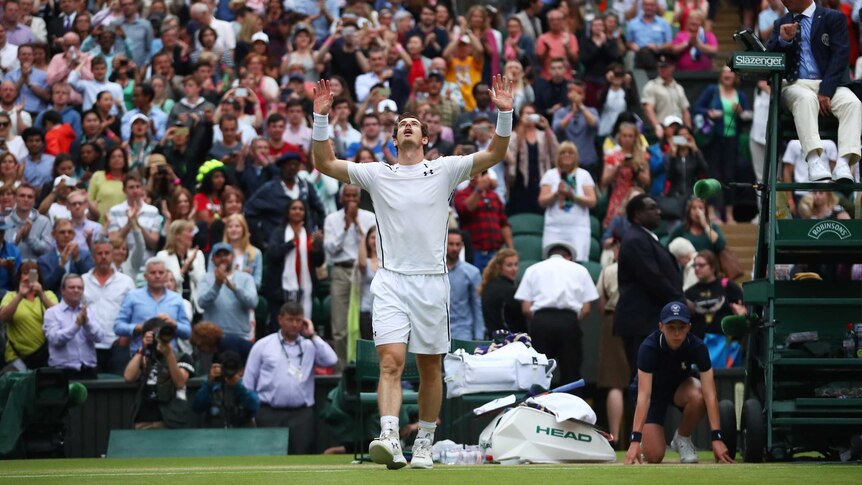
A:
59,139
483,215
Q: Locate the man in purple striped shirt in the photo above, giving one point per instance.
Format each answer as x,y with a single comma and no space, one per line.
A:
71,335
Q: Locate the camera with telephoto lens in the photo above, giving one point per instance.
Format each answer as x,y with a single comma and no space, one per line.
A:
162,332
166,333
162,170
231,364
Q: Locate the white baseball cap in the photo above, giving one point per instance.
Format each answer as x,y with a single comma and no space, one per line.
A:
260,36
671,119
139,116
387,104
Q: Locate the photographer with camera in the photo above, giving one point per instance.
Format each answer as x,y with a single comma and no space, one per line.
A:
162,374
225,400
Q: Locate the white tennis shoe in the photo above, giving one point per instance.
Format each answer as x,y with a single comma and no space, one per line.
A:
422,454
386,450
685,448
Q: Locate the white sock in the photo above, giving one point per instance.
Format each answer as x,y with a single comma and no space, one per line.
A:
812,156
843,160
426,430
389,423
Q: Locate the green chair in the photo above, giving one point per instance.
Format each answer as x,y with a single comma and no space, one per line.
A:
322,287
663,229
522,267
316,311
527,224
324,318
601,208
593,267
366,376
528,246
595,227
595,250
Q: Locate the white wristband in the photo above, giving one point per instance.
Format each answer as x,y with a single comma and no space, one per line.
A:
320,128
504,123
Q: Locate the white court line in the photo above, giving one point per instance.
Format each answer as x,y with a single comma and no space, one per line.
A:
312,469
234,471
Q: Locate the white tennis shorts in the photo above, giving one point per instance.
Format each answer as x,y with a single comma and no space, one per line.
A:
411,309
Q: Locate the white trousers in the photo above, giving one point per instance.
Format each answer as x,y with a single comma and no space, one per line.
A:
801,99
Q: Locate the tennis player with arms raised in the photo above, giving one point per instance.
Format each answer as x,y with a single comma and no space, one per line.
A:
411,289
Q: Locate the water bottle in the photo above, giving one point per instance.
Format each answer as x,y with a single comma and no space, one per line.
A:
470,455
450,456
859,340
849,343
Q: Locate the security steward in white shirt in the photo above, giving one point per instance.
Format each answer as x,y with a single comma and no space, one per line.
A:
555,295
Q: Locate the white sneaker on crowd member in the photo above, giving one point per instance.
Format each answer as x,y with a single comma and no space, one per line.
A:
386,450
685,448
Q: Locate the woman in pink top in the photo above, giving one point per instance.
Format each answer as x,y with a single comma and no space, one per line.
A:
694,47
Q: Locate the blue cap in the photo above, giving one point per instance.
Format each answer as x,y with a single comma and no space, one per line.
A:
675,311
222,246
288,157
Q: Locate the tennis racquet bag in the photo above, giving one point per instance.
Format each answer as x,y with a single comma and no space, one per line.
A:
514,367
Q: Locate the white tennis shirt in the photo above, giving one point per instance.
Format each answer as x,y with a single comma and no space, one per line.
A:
411,206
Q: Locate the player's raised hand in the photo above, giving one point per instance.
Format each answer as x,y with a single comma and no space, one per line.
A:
322,97
501,93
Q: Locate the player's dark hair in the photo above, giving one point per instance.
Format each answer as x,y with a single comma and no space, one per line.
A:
561,250
405,116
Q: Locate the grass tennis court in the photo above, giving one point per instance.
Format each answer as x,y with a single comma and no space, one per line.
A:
322,470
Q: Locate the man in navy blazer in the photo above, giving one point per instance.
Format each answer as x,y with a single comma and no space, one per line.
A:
648,277
816,45
67,257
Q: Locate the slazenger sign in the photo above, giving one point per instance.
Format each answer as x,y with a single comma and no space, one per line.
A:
770,61
833,227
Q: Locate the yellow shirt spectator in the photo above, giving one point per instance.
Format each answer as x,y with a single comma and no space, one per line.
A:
24,328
